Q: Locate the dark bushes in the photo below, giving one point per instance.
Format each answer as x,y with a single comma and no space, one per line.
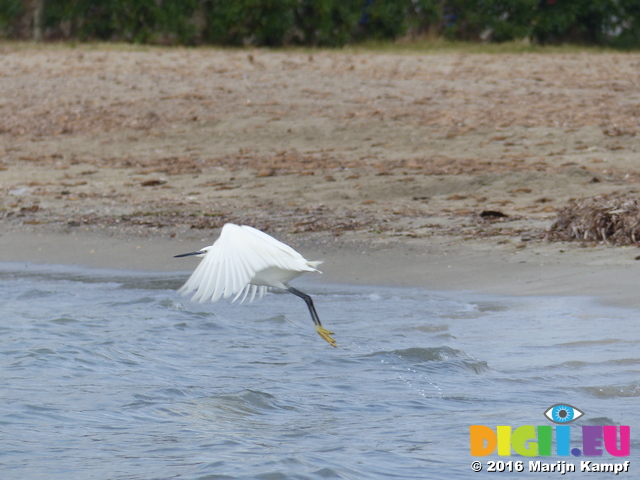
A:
323,22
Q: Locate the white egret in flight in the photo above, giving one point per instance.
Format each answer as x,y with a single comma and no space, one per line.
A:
244,262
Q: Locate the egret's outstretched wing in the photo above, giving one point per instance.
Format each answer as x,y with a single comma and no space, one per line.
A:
223,272
236,258
274,253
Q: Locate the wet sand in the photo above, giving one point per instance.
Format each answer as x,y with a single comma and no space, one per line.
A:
607,273
383,165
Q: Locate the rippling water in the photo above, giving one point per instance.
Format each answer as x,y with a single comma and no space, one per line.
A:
111,375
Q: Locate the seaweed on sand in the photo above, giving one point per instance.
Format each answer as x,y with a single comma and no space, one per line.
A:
614,219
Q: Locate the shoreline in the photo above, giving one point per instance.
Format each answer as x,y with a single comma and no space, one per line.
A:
442,170
444,264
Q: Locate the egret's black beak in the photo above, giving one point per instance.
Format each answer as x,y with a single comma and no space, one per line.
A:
189,254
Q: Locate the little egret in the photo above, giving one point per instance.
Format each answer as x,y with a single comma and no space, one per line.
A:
243,262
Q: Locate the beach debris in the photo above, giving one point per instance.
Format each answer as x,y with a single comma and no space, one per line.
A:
153,182
266,172
612,218
492,214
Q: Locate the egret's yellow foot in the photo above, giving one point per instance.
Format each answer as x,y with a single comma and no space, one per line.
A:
326,334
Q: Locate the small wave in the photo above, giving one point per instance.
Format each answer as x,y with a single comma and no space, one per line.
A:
134,301
623,361
613,391
274,319
432,328
245,402
439,355
64,320
171,304
429,354
587,343
577,364
599,421
36,293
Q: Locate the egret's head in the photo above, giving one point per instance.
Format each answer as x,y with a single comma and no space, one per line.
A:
199,253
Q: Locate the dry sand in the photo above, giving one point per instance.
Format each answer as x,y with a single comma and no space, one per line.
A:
382,164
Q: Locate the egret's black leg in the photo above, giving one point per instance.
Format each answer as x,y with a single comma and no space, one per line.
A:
323,332
309,302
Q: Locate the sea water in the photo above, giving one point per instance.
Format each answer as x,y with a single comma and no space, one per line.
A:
113,375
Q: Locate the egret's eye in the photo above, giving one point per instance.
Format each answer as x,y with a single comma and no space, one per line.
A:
561,413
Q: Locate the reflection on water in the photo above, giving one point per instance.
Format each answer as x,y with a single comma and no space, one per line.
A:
113,375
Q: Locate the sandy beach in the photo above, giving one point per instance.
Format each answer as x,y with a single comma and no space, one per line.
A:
440,170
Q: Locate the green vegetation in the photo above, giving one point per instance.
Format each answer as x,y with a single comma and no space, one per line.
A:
613,23
442,45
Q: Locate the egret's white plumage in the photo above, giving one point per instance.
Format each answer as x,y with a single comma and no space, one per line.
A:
244,262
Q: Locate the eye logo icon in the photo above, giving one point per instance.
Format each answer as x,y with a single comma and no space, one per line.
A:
562,413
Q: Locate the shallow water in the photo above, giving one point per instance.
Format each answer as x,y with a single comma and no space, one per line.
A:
112,375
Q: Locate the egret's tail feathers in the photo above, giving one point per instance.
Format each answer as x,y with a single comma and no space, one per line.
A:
315,264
